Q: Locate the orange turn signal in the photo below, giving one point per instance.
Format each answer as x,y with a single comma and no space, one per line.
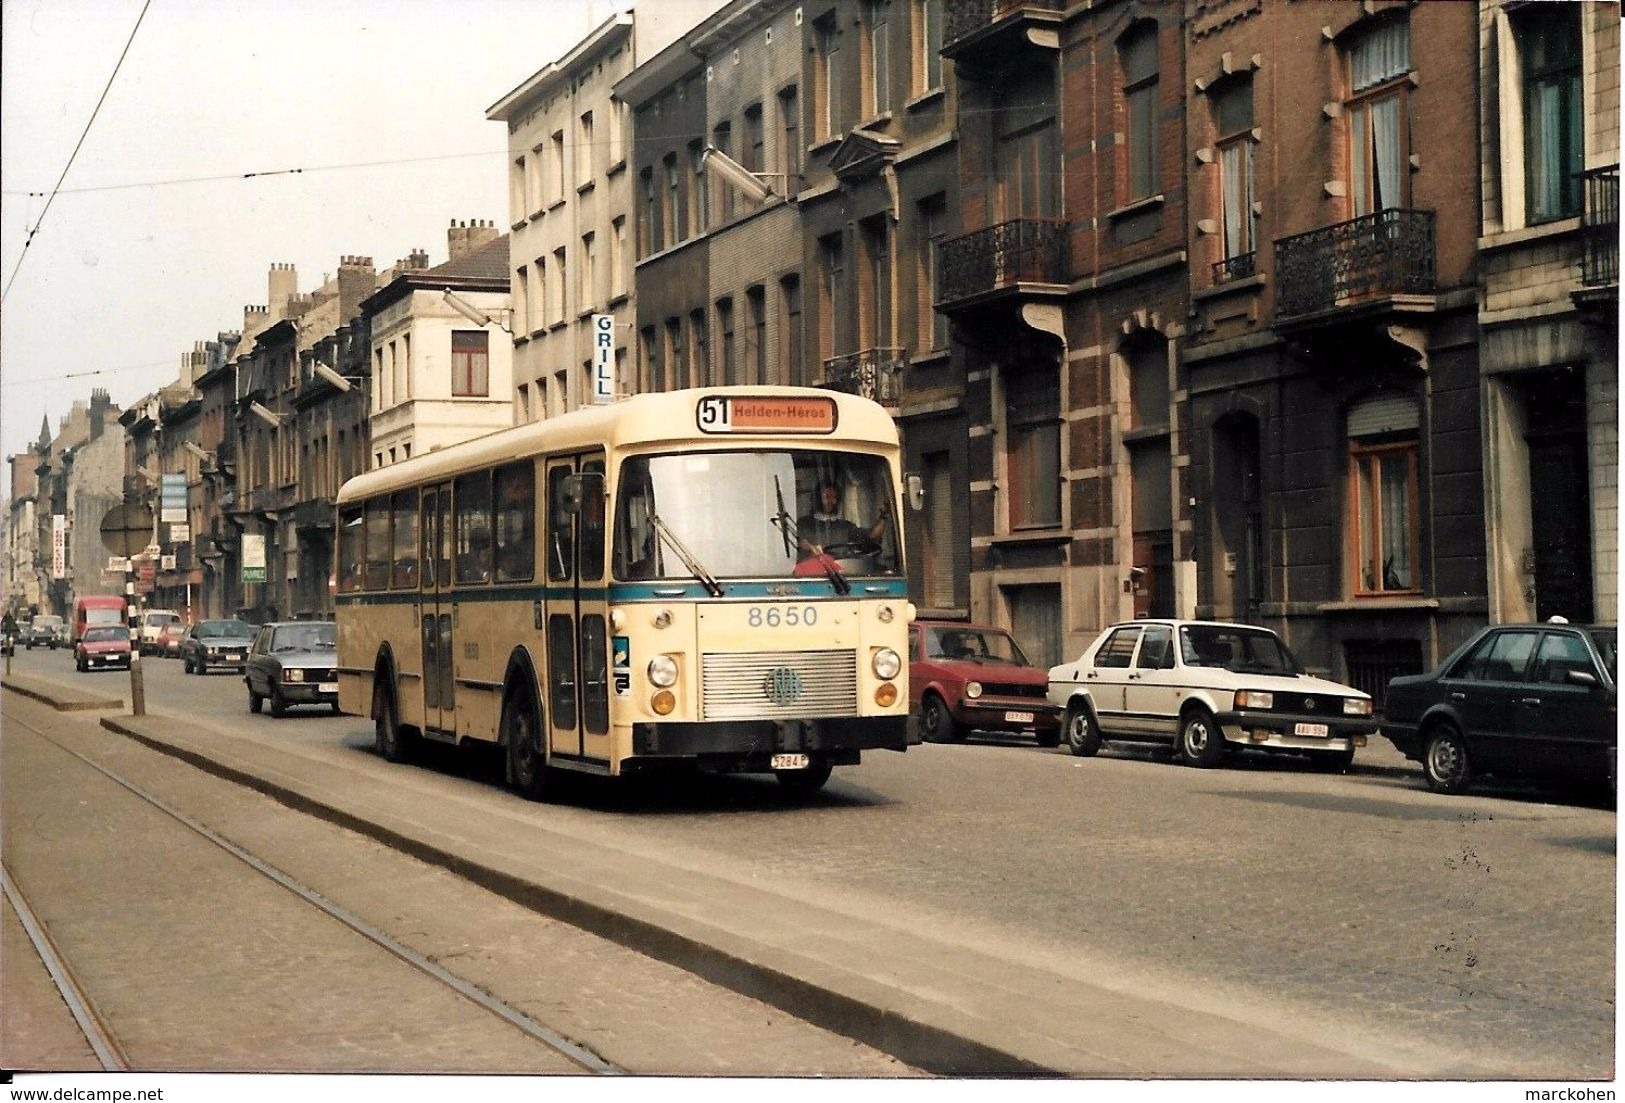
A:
886,695
663,702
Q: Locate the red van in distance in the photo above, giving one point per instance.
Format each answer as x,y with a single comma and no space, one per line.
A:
97,611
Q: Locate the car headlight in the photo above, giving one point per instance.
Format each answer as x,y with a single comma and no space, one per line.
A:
1254,699
973,690
886,664
1356,706
293,675
662,671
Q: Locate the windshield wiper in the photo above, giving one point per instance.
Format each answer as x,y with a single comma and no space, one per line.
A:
786,524
712,586
837,578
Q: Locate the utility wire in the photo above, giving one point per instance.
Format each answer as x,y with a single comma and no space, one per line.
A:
77,145
82,374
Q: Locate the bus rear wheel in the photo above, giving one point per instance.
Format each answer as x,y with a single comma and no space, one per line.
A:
528,771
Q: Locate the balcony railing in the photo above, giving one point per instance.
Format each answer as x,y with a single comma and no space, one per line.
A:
875,373
1602,227
1376,255
1023,250
964,18
1238,267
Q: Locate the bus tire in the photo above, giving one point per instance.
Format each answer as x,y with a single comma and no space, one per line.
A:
528,771
805,781
386,729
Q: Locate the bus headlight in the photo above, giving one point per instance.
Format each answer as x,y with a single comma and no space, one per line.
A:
973,690
886,663
663,671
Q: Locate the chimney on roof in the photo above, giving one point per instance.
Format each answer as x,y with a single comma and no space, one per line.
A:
357,279
463,238
416,260
282,285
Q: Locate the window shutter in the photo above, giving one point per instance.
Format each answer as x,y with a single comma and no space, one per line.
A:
1386,413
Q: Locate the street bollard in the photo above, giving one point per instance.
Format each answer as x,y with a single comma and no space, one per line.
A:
138,690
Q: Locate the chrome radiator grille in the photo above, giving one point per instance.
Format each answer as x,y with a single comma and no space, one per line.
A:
778,685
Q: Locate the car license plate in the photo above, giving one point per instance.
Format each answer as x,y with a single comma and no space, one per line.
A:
1018,718
788,762
1311,729
328,687
234,657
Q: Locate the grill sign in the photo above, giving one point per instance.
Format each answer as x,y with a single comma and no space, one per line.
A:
782,686
743,414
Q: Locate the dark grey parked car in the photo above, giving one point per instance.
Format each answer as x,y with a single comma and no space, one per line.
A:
217,643
293,663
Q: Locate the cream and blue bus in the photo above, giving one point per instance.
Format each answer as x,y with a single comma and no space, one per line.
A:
636,586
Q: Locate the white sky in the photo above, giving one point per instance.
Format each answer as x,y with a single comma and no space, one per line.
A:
127,279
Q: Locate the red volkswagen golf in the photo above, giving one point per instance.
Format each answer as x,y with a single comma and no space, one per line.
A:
964,677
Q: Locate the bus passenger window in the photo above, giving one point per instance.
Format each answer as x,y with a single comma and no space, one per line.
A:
405,509
516,523
592,519
472,495
378,547
350,551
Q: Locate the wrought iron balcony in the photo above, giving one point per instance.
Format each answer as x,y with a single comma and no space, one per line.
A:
1601,223
1023,250
874,373
1371,257
965,20
1238,267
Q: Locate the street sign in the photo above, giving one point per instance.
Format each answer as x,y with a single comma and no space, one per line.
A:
166,562
146,575
253,557
180,534
59,545
603,357
127,529
172,498
118,564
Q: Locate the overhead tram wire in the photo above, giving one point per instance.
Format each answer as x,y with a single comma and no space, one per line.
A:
77,146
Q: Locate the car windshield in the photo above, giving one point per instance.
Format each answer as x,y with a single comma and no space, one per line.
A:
102,635
306,637
742,514
47,622
972,645
1244,650
223,629
1607,641
162,618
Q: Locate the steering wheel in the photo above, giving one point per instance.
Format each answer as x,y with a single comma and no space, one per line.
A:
852,549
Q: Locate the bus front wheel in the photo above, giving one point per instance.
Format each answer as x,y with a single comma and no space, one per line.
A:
386,730
808,780
521,729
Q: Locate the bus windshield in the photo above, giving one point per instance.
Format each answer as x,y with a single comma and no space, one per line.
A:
753,515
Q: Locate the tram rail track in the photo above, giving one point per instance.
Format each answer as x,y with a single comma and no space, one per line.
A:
106,1046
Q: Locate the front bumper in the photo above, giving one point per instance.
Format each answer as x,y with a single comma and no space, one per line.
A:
308,693
1259,728
217,661
107,658
746,744
995,714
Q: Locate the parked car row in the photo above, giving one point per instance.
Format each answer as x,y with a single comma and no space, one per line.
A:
1514,701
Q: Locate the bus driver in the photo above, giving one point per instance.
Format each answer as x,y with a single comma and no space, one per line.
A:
825,527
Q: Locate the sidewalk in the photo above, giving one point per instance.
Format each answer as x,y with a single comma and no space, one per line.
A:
953,1007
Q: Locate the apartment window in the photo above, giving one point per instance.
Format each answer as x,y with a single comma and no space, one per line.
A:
588,271
1375,111
1137,53
1233,111
876,60
538,305
831,278
617,257
671,208
561,390
754,154
521,313
382,379
926,33
522,406
561,280
617,133
1033,433
518,189
653,378
556,168
699,192
792,370
584,149
1027,161
470,363
647,237
1554,152
699,351
756,303
790,140
826,44
1148,383
722,142
1382,435
725,322
672,354
931,326
875,289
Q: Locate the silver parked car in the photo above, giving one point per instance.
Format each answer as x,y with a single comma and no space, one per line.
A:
293,663
212,643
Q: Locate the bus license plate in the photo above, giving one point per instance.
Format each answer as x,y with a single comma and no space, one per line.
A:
1018,718
1312,729
789,762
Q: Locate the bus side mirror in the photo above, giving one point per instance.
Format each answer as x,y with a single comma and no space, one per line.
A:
574,490
915,487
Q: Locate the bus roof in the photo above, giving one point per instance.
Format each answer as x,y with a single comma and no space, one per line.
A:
642,420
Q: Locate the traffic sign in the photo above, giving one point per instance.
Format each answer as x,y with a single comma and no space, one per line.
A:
127,529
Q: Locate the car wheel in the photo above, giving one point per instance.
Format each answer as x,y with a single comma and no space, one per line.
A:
1444,762
254,700
1200,740
805,781
279,706
1082,733
1333,762
936,723
386,733
528,771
